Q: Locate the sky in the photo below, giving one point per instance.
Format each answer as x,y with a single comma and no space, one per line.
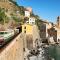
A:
46,9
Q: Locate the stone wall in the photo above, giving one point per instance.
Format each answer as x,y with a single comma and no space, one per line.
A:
36,36
13,51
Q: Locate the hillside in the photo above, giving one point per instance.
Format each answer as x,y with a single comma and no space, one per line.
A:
12,14
8,5
10,11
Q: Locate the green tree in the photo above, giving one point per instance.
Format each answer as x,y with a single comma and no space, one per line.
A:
22,10
2,15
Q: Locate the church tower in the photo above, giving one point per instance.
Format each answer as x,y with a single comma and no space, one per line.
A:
58,21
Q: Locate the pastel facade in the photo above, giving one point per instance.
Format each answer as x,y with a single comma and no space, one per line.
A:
27,14
32,34
27,28
31,20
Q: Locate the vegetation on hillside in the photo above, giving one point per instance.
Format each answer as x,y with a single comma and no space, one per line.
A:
22,10
3,16
17,16
14,2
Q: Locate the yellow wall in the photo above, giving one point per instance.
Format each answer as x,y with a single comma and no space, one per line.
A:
28,28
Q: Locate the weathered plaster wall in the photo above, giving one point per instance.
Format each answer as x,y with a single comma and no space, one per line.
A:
13,51
36,35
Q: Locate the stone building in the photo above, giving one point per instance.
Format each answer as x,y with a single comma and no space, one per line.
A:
55,33
44,29
48,29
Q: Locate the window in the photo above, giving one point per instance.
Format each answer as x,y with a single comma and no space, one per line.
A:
23,49
32,22
25,27
24,31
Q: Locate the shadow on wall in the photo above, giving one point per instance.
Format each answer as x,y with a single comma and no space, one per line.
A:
29,41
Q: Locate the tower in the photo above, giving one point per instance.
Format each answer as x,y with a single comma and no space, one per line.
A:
58,21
